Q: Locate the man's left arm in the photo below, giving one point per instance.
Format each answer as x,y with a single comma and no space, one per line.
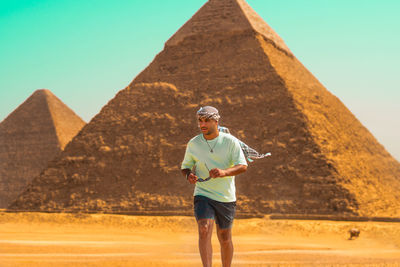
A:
237,159
235,170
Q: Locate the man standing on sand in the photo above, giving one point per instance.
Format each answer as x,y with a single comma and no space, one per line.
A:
211,161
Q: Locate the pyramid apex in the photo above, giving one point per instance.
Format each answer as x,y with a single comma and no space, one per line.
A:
41,93
43,90
222,16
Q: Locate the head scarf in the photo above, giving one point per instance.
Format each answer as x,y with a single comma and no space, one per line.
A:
208,112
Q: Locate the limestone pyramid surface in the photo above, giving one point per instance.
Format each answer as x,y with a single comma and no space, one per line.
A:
31,136
127,159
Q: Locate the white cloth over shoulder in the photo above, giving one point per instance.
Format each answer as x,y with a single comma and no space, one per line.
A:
248,152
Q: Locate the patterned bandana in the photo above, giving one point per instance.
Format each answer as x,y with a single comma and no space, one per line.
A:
208,112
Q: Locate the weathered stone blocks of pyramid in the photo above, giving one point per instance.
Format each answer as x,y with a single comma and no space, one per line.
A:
324,161
120,161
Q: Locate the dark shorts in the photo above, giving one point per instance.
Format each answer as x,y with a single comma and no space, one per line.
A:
222,212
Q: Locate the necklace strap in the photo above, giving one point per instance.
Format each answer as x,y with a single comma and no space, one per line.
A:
211,148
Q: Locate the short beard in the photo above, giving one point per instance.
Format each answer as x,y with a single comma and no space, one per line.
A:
210,131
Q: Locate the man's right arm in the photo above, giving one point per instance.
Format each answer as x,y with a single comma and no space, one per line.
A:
185,172
187,164
190,176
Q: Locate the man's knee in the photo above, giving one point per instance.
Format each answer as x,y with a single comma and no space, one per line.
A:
205,227
225,236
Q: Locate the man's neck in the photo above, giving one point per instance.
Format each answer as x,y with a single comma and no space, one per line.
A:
211,136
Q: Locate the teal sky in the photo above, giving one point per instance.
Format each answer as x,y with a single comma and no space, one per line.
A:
86,51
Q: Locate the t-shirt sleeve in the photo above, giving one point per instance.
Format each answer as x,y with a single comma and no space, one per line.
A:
237,154
188,161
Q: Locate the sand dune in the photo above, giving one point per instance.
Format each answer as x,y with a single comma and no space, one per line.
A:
39,239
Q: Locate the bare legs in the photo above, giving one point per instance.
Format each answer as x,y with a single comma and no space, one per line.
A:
205,247
205,233
225,240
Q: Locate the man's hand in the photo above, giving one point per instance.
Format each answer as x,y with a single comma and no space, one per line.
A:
192,178
215,173
235,170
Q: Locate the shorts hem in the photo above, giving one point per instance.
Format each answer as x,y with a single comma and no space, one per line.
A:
224,228
204,218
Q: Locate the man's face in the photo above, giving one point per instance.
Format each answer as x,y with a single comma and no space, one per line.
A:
208,126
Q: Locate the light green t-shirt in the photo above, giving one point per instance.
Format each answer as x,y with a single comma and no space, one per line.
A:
226,153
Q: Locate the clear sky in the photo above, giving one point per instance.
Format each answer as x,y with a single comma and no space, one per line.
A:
85,51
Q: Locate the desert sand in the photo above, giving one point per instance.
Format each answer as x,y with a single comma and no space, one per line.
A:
41,239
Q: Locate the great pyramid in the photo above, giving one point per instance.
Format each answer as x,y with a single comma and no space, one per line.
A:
31,136
127,158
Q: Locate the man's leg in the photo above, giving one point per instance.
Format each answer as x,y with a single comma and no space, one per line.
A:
205,247
225,240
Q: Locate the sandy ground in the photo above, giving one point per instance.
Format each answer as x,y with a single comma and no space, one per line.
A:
38,239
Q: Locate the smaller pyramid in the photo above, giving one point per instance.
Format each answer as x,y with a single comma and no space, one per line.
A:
30,136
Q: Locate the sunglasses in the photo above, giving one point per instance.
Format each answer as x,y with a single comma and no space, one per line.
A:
205,179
